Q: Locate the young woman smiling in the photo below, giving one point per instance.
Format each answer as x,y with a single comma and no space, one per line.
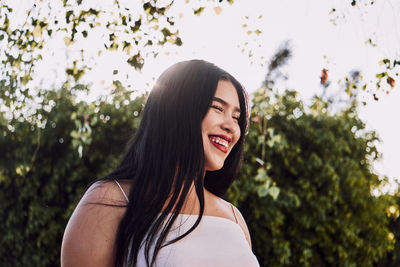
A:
162,205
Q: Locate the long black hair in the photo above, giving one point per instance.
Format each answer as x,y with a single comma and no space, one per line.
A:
166,157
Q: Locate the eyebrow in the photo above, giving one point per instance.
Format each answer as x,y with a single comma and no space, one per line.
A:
223,102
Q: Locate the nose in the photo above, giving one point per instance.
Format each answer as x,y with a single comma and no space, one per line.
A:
229,125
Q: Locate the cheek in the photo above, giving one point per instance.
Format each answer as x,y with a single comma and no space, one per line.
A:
206,122
237,133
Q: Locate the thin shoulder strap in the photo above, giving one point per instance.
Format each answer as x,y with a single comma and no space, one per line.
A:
234,213
122,190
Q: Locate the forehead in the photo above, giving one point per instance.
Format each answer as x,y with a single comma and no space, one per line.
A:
227,92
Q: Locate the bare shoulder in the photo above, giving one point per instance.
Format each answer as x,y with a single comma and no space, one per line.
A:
229,211
90,234
242,223
108,192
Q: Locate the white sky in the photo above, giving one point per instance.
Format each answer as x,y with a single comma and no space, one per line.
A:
312,36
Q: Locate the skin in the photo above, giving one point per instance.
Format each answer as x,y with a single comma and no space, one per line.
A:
221,119
89,238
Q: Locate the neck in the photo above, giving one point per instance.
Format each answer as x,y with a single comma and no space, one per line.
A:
191,204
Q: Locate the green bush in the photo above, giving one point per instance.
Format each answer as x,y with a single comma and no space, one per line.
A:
392,259
325,214
305,187
47,162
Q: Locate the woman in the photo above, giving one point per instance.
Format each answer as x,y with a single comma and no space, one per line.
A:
162,206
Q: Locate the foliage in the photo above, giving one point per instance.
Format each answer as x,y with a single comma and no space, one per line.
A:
46,165
305,188
325,214
133,27
73,21
281,58
392,259
386,79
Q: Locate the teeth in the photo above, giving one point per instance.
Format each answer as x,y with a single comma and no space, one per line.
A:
220,141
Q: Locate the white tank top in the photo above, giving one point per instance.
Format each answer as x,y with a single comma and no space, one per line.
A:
216,241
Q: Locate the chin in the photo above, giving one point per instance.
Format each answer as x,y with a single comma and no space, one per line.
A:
213,167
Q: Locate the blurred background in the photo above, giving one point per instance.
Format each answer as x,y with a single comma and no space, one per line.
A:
319,183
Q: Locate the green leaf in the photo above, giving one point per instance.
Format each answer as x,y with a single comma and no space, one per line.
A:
178,41
138,23
136,61
68,15
273,191
262,191
261,175
198,11
166,32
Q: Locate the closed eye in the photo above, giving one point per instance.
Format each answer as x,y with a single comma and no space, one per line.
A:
218,108
221,109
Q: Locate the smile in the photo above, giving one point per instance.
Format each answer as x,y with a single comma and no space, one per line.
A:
221,142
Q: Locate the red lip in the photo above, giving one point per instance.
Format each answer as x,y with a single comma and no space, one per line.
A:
220,147
227,138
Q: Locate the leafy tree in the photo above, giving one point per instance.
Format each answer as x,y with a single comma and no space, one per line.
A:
53,146
325,214
133,27
305,187
306,183
46,166
392,258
